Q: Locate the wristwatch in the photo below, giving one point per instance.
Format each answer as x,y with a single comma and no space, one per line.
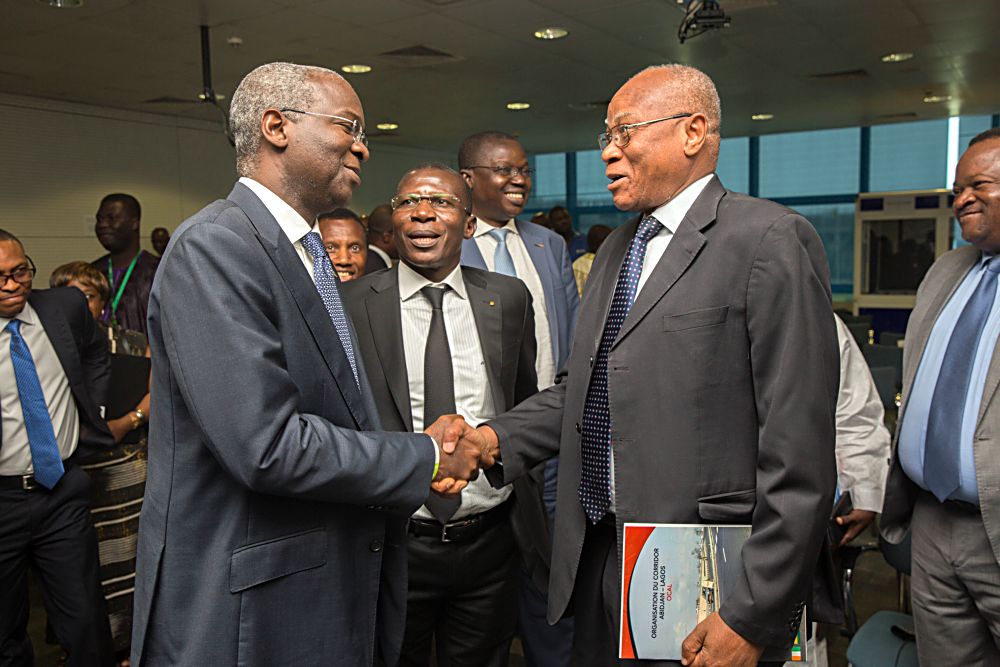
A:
137,418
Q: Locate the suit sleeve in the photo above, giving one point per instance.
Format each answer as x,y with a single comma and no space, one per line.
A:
94,356
794,360
569,288
225,352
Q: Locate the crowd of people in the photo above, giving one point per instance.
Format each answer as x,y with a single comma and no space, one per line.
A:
297,435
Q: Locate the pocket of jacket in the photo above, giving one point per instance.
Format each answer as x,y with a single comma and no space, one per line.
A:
732,506
259,563
705,317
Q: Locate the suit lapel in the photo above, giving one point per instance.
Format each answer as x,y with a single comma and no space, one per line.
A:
385,322
57,329
471,255
306,297
487,310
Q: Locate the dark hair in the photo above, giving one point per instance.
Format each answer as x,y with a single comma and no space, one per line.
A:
596,236
7,236
376,224
992,133
558,208
468,152
129,203
440,166
343,214
84,273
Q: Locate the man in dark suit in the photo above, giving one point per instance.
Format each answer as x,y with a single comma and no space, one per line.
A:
945,475
53,385
381,239
496,168
463,556
701,387
273,528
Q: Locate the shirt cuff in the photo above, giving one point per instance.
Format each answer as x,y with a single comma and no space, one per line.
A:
437,457
867,498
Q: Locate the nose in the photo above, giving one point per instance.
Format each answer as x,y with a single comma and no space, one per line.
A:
423,212
518,178
361,151
962,199
611,153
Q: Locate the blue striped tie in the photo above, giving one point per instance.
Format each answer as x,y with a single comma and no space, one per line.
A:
45,458
326,285
502,261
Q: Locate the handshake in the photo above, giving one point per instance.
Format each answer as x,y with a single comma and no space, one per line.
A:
464,450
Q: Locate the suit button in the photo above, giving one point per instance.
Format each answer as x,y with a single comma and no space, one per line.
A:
375,546
591,362
578,427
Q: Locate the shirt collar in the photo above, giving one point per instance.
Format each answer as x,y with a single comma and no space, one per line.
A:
292,224
411,282
27,316
672,213
483,227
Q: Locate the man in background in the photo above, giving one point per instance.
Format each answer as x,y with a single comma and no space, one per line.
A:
344,240
129,269
381,239
562,224
159,238
582,264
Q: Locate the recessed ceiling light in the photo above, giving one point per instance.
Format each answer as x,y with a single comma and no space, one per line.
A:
934,99
762,116
62,4
388,127
356,69
897,57
551,33
235,41
518,106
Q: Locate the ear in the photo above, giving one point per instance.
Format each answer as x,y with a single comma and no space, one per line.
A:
470,227
274,127
695,132
467,176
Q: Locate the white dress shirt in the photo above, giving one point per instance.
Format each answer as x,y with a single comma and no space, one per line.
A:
292,224
545,365
381,253
473,398
863,442
15,453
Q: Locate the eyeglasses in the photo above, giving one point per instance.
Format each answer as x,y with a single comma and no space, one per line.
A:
506,170
440,201
619,134
22,275
352,125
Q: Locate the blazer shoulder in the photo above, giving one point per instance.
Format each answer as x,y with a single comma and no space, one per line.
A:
536,233
495,281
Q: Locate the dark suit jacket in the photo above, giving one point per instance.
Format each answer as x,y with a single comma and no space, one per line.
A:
374,262
502,309
83,354
723,388
273,528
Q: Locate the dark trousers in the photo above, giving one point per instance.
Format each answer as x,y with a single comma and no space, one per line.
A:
52,532
544,645
463,597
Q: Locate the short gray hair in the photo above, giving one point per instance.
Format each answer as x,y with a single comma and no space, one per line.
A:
274,85
697,93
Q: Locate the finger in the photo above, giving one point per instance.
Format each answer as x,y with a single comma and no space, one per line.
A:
443,485
692,644
452,433
840,521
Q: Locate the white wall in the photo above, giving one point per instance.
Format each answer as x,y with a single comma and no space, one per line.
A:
60,158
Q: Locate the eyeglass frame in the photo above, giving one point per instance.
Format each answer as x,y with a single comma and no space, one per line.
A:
527,171
4,277
356,131
455,200
606,138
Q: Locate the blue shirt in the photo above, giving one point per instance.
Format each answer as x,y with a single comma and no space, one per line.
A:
913,430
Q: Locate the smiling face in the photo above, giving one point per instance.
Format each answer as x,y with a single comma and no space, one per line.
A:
496,198
977,195
428,238
13,295
344,240
115,226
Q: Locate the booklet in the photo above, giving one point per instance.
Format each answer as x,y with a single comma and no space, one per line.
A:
673,577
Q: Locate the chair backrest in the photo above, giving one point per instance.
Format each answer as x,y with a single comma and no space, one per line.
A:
861,332
888,356
897,555
890,338
885,383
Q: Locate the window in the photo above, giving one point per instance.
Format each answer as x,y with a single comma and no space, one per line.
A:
821,162
591,183
734,163
835,225
970,126
909,156
548,185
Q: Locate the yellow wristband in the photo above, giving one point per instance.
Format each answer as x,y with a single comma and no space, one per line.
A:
437,458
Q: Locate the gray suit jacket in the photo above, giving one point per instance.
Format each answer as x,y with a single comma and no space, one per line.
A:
722,386
501,307
900,495
273,528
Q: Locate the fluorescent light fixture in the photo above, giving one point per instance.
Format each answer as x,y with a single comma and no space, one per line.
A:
388,127
934,99
356,68
901,56
62,4
762,116
518,106
551,33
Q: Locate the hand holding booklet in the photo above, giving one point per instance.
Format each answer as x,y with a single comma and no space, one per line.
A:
673,577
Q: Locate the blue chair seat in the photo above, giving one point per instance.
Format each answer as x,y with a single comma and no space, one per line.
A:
875,644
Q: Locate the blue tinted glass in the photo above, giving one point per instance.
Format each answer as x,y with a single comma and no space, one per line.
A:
548,183
835,225
584,221
820,162
909,156
734,163
591,183
970,126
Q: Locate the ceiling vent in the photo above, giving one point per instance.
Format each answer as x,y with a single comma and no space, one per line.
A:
843,75
418,56
902,115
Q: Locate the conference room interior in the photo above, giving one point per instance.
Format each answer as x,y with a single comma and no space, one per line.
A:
824,105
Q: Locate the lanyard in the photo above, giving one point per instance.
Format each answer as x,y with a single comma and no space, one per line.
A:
121,288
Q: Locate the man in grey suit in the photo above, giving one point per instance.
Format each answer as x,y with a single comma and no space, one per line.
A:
462,556
944,480
273,528
701,387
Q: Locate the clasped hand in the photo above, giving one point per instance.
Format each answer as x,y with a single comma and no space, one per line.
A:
463,450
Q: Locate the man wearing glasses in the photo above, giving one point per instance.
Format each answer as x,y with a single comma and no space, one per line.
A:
701,388
274,525
496,168
54,374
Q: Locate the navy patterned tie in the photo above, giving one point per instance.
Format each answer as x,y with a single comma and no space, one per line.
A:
595,483
326,285
944,419
45,458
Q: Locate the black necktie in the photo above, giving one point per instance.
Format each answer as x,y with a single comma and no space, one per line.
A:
439,387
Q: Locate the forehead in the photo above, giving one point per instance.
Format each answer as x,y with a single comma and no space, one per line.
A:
335,95
636,100
432,180
113,207
341,227
503,150
11,253
984,156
